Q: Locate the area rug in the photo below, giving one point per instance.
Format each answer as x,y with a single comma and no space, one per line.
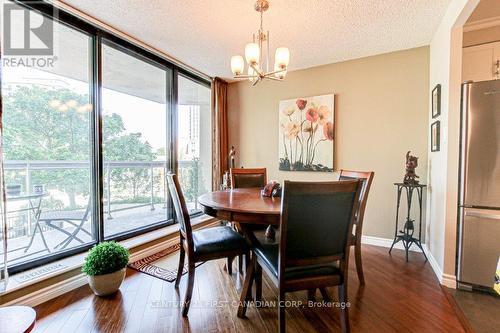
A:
162,265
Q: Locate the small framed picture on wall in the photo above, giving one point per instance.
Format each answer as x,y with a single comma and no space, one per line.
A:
436,136
436,101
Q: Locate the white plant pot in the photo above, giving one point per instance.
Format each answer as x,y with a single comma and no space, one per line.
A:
106,284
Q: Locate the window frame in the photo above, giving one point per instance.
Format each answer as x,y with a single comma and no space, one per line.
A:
202,82
98,37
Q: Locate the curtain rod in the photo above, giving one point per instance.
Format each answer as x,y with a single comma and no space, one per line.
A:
101,25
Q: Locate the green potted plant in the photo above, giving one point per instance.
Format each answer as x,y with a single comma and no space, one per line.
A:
105,267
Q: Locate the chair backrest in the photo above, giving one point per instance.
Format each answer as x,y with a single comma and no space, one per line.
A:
366,178
245,178
316,222
180,207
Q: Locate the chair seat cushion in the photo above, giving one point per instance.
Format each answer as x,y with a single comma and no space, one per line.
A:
218,239
268,252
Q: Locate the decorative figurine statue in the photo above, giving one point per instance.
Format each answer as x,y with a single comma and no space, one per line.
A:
411,164
232,152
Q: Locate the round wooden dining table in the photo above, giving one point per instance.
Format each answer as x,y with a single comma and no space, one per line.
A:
245,206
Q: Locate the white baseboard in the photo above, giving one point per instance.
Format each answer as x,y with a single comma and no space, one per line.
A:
386,242
46,294
447,280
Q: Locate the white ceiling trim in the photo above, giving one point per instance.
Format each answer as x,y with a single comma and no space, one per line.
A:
482,24
92,20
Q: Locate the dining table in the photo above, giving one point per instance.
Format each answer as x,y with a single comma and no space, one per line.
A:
248,209
245,206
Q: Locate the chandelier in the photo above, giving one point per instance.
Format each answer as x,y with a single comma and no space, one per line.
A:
254,55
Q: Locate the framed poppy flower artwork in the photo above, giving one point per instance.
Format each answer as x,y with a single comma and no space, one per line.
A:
306,133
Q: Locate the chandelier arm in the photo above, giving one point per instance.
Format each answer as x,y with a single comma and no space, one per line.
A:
256,81
275,72
259,73
273,78
245,76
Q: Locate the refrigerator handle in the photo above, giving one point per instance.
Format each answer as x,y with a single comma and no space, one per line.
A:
483,215
463,140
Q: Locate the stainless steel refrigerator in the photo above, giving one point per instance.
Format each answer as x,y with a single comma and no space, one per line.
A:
479,200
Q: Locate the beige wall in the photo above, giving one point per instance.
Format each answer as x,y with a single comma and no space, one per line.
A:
381,112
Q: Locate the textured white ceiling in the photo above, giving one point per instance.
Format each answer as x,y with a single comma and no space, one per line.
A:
205,33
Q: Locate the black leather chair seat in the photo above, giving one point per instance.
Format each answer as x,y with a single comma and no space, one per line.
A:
269,252
217,239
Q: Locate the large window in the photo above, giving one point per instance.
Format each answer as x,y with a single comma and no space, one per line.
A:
135,113
47,115
89,140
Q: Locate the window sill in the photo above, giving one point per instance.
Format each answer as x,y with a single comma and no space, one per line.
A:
168,233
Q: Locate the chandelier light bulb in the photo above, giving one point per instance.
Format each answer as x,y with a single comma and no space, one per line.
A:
252,53
237,65
280,72
282,57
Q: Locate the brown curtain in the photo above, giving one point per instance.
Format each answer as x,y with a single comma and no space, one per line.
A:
219,131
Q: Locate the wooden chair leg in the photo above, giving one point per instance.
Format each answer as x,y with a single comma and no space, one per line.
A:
324,293
258,282
246,292
281,312
311,294
189,290
359,264
344,311
180,268
230,265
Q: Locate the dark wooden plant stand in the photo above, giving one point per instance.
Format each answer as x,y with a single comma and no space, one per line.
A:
406,235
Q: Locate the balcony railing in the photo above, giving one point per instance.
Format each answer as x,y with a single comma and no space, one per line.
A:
147,186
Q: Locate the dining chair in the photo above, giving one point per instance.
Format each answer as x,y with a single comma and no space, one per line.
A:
200,245
247,178
366,178
324,211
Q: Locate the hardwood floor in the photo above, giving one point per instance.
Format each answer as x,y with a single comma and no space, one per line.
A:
398,297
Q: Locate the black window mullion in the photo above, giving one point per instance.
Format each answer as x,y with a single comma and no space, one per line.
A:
97,161
169,108
174,121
